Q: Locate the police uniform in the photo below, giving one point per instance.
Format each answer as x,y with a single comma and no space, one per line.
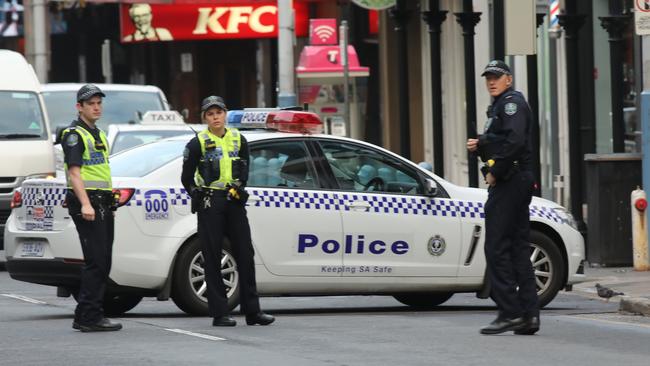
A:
87,148
215,172
505,146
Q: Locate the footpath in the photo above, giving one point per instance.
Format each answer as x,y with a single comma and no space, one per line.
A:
634,285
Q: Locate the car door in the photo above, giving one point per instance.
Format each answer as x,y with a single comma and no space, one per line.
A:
390,227
295,226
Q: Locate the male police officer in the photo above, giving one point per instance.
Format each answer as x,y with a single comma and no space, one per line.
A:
90,203
215,171
505,147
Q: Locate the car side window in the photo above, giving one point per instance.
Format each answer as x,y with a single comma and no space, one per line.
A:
281,164
360,169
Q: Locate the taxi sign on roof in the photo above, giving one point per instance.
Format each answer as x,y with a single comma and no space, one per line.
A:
162,117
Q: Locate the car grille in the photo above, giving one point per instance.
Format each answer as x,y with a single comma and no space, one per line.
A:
6,190
7,179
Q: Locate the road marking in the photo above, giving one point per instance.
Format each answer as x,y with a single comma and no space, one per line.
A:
25,298
198,335
608,321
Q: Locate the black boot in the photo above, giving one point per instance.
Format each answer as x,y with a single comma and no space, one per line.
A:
531,326
500,325
259,318
223,321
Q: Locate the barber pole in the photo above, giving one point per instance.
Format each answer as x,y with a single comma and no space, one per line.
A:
554,11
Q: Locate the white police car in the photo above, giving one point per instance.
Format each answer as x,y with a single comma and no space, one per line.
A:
329,216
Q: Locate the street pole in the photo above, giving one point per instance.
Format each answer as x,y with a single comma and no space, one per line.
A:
36,35
572,22
616,24
468,20
287,89
343,31
533,99
400,15
434,19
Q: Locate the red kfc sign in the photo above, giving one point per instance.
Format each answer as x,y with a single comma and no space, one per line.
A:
157,22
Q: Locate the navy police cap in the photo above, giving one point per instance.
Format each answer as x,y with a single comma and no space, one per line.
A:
496,67
88,91
213,101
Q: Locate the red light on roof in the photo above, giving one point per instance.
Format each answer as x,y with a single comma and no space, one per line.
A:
296,122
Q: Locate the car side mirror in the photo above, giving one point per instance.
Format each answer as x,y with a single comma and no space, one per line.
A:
431,187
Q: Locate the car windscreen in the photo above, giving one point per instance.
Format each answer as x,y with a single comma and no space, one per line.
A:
128,139
142,160
21,116
119,107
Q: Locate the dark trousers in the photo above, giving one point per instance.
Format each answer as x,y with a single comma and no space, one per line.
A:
96,239
225,217
507,246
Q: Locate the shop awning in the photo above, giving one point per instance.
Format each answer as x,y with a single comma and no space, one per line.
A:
324,62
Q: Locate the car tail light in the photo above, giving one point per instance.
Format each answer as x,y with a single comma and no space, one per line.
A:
123,195
16,200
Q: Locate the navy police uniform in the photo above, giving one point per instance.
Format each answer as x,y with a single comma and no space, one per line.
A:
96,236
505,146
222,212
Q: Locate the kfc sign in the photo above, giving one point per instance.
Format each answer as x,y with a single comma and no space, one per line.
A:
150,22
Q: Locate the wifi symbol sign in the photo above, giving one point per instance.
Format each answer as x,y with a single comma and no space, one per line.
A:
324,32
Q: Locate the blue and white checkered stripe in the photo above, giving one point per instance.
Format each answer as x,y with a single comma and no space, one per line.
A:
380,203
33,196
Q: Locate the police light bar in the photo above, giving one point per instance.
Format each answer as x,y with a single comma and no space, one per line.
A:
276,119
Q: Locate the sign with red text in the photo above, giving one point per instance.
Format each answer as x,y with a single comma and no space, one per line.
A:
168,22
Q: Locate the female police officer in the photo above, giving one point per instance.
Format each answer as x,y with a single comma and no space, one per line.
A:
215,171
506,148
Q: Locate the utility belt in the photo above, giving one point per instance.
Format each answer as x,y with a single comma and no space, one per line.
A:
515,168
97,198
202,197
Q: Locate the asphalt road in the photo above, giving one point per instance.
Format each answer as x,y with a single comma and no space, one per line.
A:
35,329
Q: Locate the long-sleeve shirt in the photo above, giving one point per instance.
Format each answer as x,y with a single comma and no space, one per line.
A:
507,134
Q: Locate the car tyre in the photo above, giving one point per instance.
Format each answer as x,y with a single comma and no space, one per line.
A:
116,305
548,266
423,300
188,283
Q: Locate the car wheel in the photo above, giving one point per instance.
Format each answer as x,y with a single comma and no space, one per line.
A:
423,300
548,266
115,305
189,286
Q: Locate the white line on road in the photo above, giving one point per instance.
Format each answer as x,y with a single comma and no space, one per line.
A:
198,335
25,298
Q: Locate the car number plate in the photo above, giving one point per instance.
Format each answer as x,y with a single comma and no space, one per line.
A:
32,249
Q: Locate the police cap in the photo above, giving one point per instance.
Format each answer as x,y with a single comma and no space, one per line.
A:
213,101
496,67
88,91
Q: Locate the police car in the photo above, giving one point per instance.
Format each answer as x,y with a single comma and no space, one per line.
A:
329,216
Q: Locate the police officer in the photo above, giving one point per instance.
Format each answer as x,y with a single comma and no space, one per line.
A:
505,147
90,203
215,171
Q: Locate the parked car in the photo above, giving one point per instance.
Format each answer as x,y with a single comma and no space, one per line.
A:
124,104
329,216
25,138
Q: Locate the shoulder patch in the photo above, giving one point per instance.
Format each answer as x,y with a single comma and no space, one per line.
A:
186,154
72,139
510,108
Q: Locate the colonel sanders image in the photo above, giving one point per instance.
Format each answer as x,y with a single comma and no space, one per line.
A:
141,16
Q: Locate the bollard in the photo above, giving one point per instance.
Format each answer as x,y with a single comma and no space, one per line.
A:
639,230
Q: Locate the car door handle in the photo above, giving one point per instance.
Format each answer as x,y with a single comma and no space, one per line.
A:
253,198
359,205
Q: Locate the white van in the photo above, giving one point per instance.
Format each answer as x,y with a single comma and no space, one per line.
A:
25,139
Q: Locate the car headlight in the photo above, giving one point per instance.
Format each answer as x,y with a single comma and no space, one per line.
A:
566,217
